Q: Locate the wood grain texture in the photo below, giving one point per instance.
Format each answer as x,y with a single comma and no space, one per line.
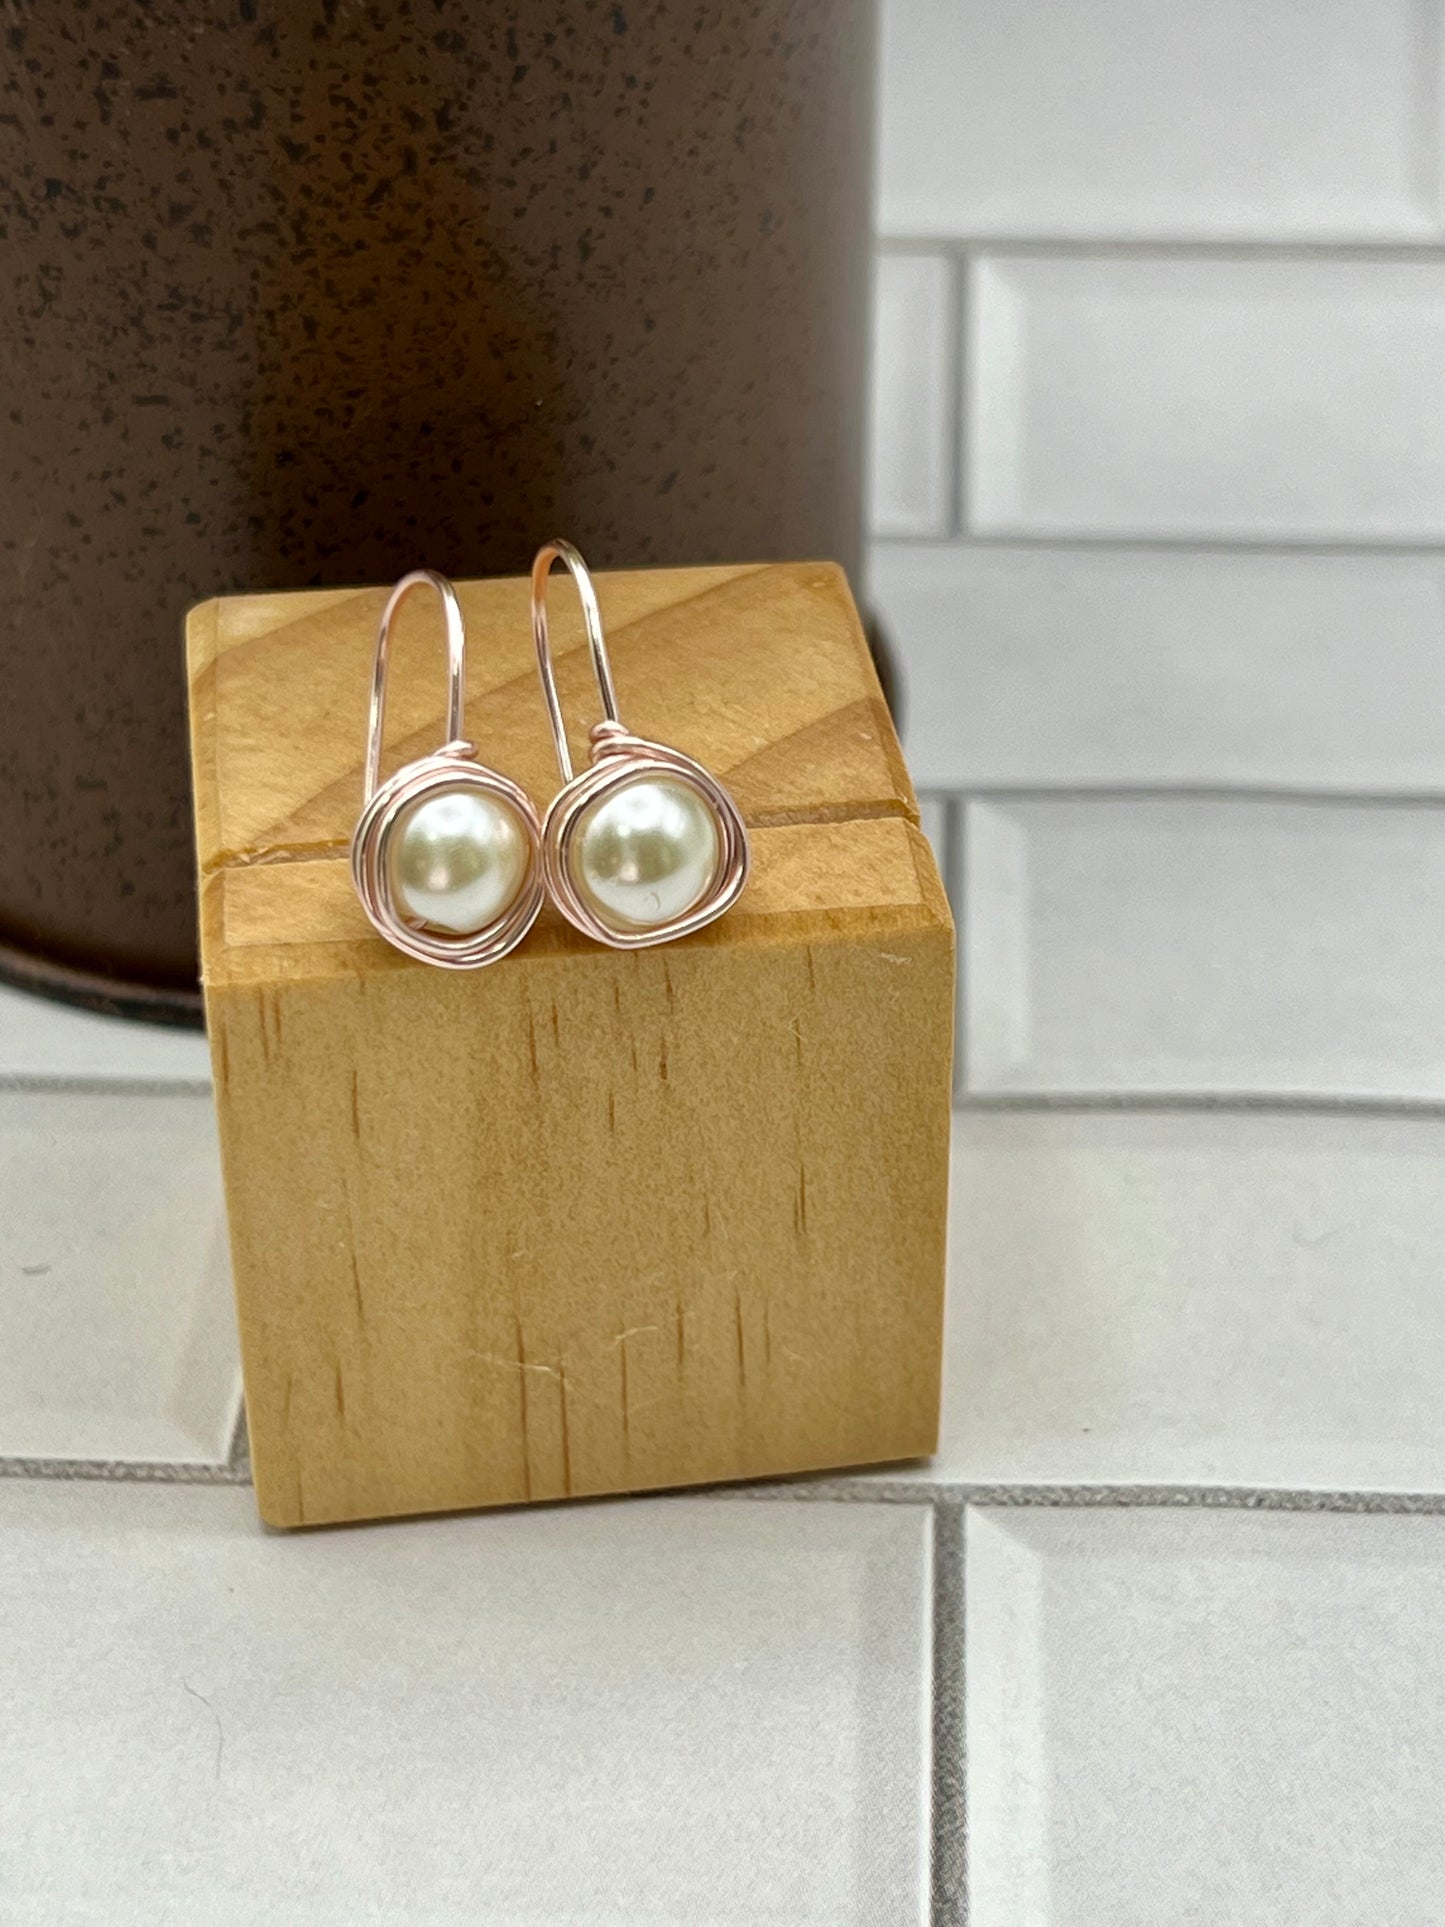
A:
583,1221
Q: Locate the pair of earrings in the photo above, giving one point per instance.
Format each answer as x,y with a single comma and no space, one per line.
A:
451,862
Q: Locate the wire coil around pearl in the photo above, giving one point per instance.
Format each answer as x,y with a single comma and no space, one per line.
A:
450,771
621,761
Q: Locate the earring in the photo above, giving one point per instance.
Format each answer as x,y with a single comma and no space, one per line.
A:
446,854
645,845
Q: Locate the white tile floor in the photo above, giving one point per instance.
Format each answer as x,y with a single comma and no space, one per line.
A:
658,1712
119,1337
770,1706
120,1340
52,1043
1196,1299
1191,1716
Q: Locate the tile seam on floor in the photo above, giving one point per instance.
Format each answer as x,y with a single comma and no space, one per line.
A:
939,1494
128,1471
91,1084
1197,1497
957,1492
948,1831
1275,1103
238,1459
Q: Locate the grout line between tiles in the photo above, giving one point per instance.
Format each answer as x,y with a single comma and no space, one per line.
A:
82,1085
1144,543
922,1490
948,1856
1225,1498
1429,104
846,1489
1274,1103
127,1471
1223,247
238,1460
956,406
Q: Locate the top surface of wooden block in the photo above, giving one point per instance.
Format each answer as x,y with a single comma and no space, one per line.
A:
761,673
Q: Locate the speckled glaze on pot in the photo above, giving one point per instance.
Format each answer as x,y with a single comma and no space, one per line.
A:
309,291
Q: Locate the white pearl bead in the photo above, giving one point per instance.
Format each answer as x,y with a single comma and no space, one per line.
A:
646,853
456,859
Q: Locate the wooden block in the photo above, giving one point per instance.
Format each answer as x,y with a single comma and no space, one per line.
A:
582,1221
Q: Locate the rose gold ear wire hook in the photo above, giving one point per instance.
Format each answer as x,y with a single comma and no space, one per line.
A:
560,551
645,845
456,669
472,885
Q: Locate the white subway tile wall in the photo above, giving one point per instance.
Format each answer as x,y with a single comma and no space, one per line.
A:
1258,400
1191,265
1101,668
1205,946
916,370
1221,119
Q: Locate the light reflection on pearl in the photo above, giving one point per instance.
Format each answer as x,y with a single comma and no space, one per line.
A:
456,859
645,854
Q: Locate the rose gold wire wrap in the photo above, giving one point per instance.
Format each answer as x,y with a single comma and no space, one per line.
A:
619,758
450,768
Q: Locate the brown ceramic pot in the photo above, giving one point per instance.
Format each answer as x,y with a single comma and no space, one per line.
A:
310,291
